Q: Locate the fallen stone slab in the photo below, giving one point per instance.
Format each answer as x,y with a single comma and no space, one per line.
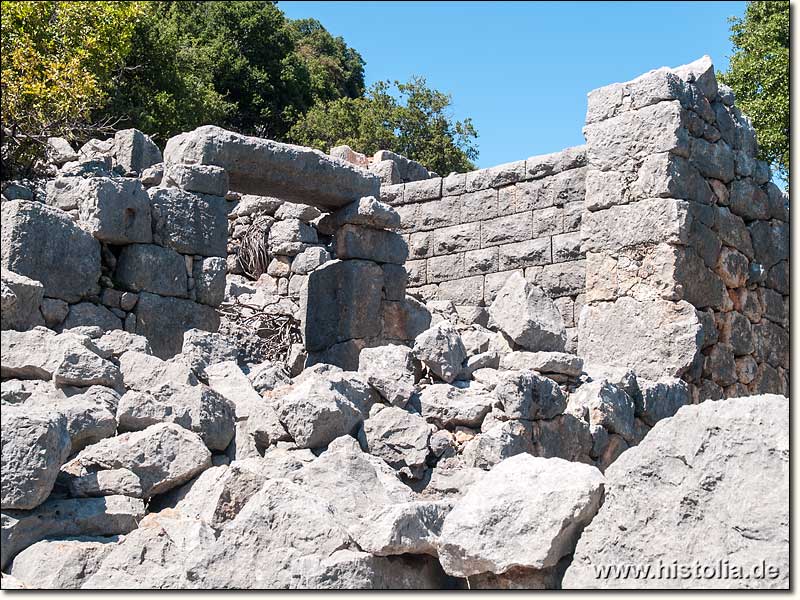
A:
390,370
441,350
714,481
399,437
61,564
260,166
526,395
543,362
448,406
142,371
21,299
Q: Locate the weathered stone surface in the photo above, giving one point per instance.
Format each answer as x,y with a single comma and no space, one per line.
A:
21,300
310,259
112,515
267,376
709,469
189,223
365,212
526,512
497,443
113,209
54,311
655,339
81,367
135,151
60,151
324,406
257,165
197,408
142,371
203,179
342,302
355,241
61,564
608,406
66,260
449,406
202,349
228,379
528,316
713,160
163,321
290,237
150,268
34,445
660,399
139,464
88,314
526,395
441,350
390,370
398,437
543,362
115,343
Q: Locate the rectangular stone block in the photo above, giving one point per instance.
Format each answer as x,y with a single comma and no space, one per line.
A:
651,88
493,282
420,244
114,210
623,141
530,195
496,176
548,221
477,206
565,306
454,185
457,238
408,217
438,213
163,321
189,223
394,282
468,290
365,243
477,262
572,216
567,246
645,222
545,165
392,194
504,230
442,268
419,191
669,176
568,186
417,272
151,268
562,279
713,160
525,254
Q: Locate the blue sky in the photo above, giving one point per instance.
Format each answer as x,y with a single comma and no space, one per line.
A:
522,70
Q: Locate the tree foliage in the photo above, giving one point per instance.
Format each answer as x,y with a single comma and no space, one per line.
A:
759,76
408,118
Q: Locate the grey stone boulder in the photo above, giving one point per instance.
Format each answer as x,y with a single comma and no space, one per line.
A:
197,408
203,179
141,464
228,379
309,259
268,376
60,151
88,314
356,241
163,321
189,223
441,350
714,480
499,442
606,405
114,210
82,367
449,406
293,210
117,342
35,443
54,312
324,406
528,316
112,515
560,363
66,260
365,212
135,151
390,370
151,268
152,176
202,349
209,280
61,564
259,166
142,371
526,512
660,399
398,437
526,395
290,237
21,300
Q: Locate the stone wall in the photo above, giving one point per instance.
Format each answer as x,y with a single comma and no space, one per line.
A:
468,232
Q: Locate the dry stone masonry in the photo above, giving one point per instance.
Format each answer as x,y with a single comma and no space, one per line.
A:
250,365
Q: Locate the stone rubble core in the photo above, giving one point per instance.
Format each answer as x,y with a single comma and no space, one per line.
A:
247,364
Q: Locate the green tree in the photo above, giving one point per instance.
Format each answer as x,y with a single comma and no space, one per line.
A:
59,62
408,118
759,76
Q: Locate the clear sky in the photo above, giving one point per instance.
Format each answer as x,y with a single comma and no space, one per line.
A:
522,70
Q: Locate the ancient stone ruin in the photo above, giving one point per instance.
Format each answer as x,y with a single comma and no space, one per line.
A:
262,366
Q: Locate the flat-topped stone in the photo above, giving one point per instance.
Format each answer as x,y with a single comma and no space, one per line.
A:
261,166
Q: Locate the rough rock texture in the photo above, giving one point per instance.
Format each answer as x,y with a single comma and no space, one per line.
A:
528,316
441,350
526,512
66,260
164,320
259,166
398,437
61,564
21,299
390,370
713,481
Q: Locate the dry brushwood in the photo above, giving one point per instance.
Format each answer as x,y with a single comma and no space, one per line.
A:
253,255
269,335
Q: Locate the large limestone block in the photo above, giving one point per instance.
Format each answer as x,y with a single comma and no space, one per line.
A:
526,512
135,151
441,350
655,338
398,437
714,482
355,241
261,166
21,299
113,209
151,268
163,321
35,443
61,564
341,302
390,370
528,316
112,515
189,223
139,464
42,242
